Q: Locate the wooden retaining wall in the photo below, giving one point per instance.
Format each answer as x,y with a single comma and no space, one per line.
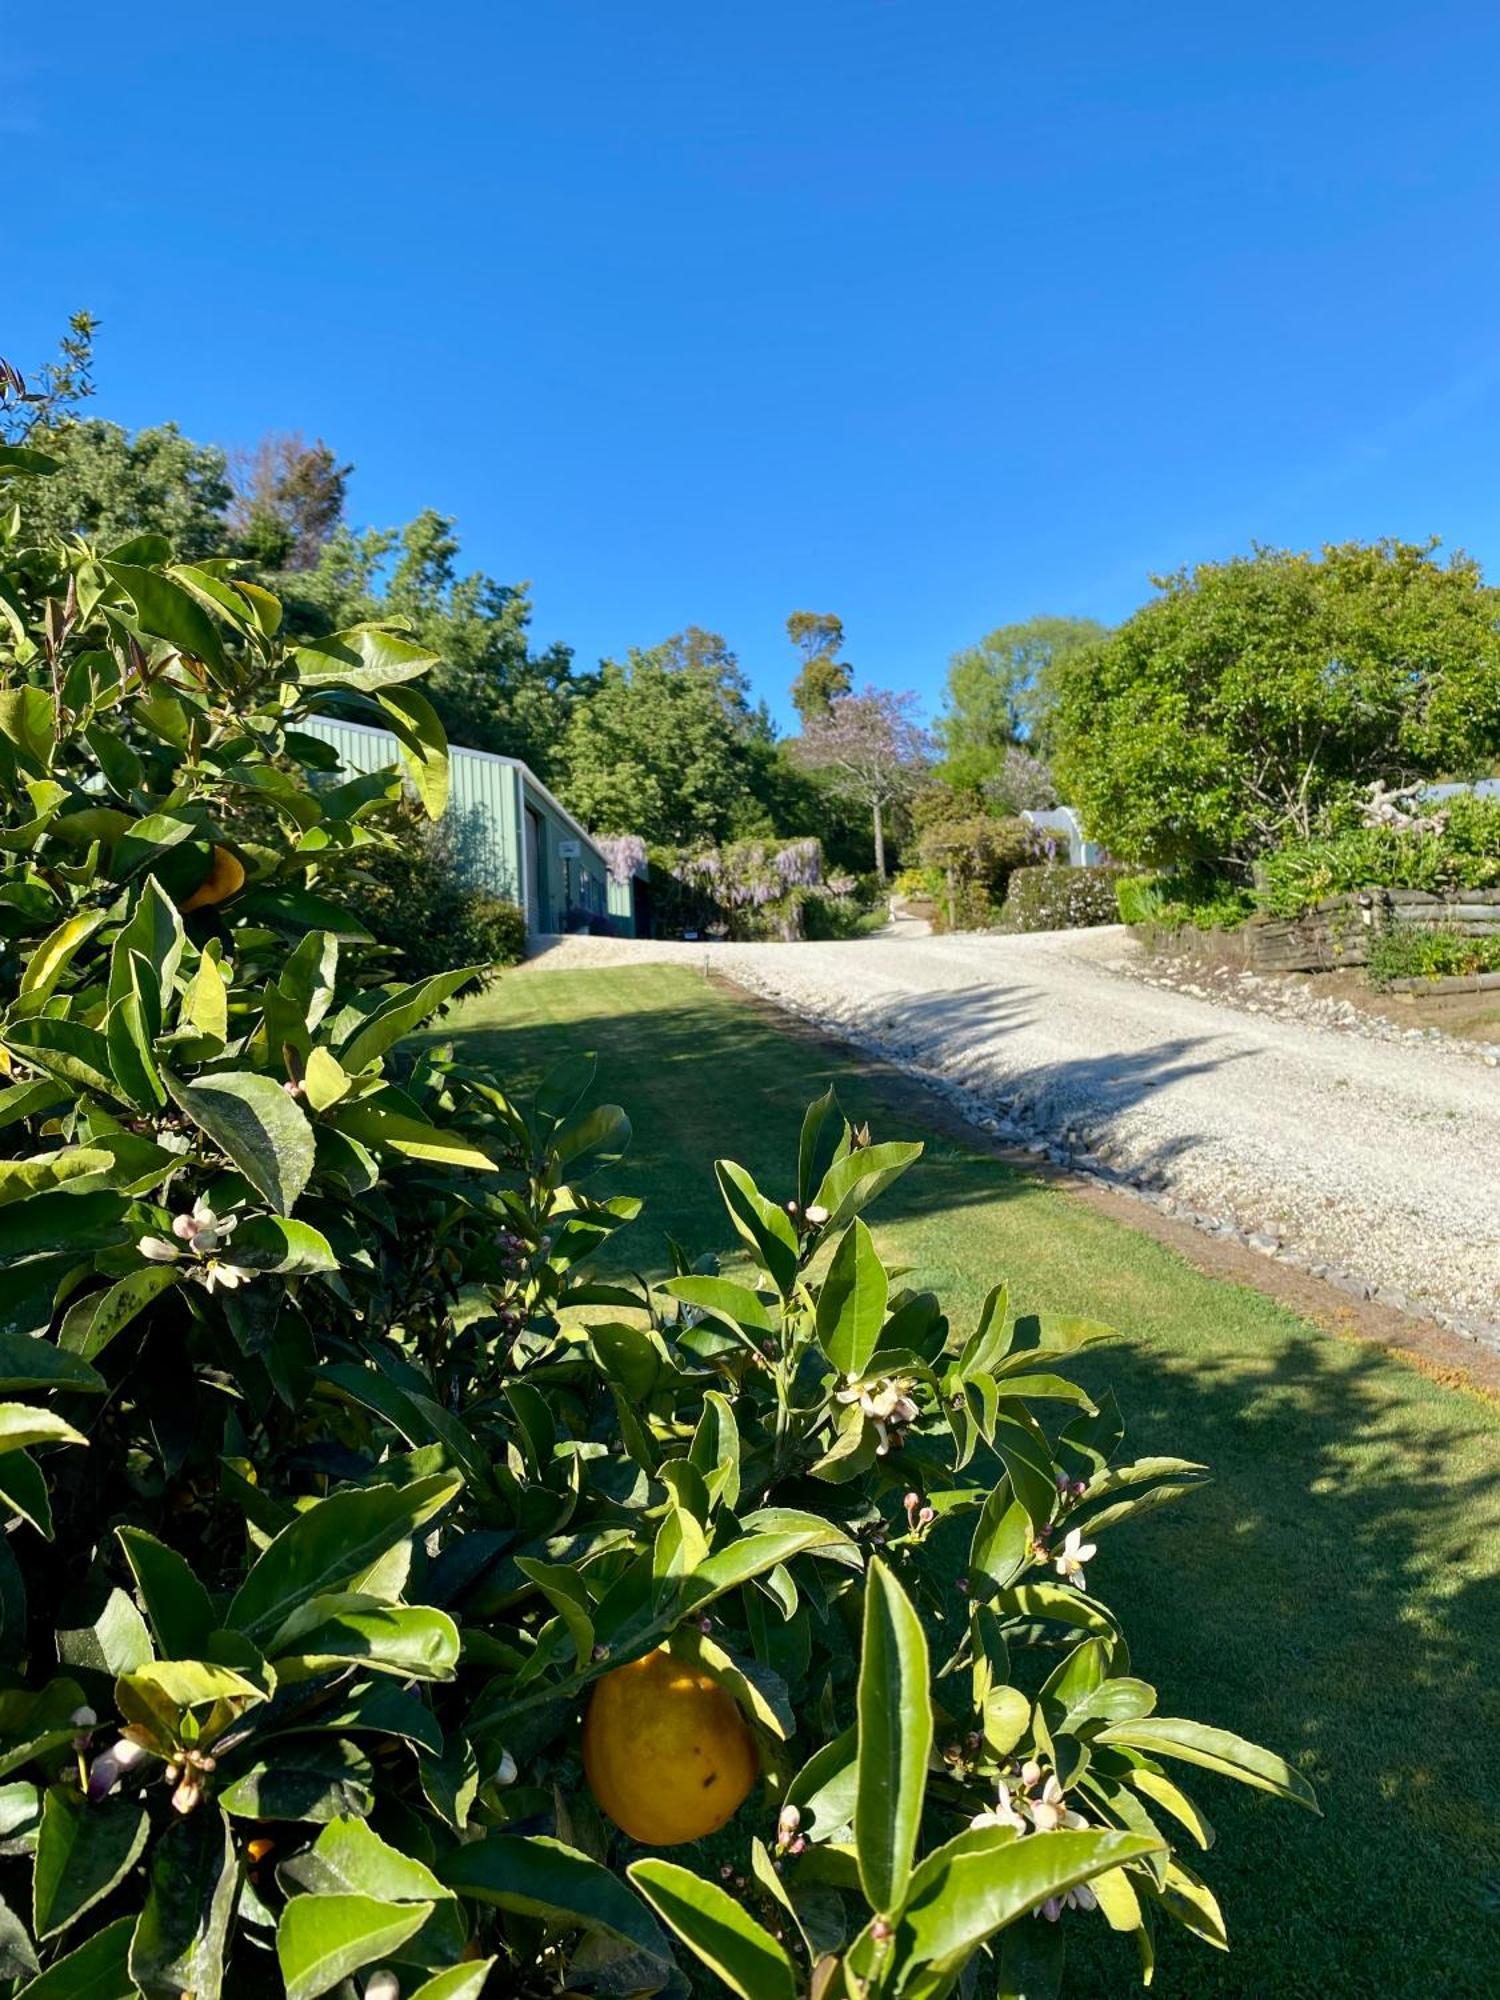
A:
1334,933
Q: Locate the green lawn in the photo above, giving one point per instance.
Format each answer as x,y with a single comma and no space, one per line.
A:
1334,1594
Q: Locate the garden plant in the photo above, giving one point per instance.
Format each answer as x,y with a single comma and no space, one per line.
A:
350,1520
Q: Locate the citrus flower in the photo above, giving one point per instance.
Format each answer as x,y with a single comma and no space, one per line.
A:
885,1402
1051,1810
158,1250
1003,1813
1081,1898
1072,1556
225,1277
204,1233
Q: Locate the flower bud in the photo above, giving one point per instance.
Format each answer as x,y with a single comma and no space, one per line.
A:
790,1820
817,1215
506,1772
1031,1773
911,1502
926,1517
383,1985
83,1718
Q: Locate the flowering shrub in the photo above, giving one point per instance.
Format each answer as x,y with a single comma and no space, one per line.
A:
334,1481
746,889
1054,897
1457,848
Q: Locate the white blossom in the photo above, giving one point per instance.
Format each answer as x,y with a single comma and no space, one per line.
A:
158,1250
887,1403
1051,1810
1072,1556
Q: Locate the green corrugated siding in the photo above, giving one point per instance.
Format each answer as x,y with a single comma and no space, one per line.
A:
487,805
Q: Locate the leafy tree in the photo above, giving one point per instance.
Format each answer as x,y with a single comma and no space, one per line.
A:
870,748
288,498
819,638
668,747
1003,692
51,398
491,690
1250,696
113,485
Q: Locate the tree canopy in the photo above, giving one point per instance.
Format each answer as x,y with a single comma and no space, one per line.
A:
1248,696
819,637
868,747
1003,691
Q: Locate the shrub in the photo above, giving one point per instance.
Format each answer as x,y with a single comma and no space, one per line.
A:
1465,854
1055,897
335,1483
413,897
967,859
1413,951
1195,897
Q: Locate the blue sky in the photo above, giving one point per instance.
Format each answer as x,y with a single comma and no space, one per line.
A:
934,313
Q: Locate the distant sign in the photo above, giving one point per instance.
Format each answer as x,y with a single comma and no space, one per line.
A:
570,849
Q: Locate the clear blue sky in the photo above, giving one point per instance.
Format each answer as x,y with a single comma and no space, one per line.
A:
934,313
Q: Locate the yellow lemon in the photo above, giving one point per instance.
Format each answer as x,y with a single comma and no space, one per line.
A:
225,878
666,1750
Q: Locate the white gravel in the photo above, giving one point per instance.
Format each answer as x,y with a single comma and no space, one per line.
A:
1374,1163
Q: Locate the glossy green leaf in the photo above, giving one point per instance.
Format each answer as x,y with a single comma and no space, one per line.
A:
56,951
414,1641
167,611
852,1302
98,1970
329,1545
539,1877
717,1929
262,1130
349,1858
22,1426
396,1132
26,1363
180,1939
895,1739
1216,1750
363,657
766,1228
399,1014
82,1851
312,1778
852,1183
92,1322
177,1605
424,744
322,1940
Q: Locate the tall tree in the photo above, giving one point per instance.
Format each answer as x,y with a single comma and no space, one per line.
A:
667,745
288,498
1250,696
869,747
49,399
1003,691
819,637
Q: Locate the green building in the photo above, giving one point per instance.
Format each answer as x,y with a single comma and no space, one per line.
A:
512,837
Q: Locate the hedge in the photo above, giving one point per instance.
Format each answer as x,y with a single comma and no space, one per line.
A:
1055,897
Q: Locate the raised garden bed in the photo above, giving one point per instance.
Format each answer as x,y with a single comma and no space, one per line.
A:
1337,932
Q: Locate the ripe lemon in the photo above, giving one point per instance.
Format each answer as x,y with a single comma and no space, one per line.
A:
667,1752
226,877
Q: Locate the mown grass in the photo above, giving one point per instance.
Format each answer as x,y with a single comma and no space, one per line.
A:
1335,1593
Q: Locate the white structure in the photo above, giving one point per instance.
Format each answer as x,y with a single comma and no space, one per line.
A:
1065,827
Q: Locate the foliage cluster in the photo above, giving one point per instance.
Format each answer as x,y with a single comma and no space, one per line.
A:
334,1483
415,897
1229,713
1055,897
1422,951
1195,897
750,889
1463,853
966,860
1001,695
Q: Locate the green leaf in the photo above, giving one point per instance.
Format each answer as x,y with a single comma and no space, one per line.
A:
22,1426
98,1970
1216,1750
395,1132
52,956
766,1228
93,1321
398,1015
364,657
717,1930
27,1363
166,611
592,1139
822,1128
28,718
304,1778
459,1982
25,458
724,1299
181,1614
347,1858
278,1243
852,1303
895,1739
68,1050
1027,1457
331,1544
983,1880
424,744
1001,1547
544,1878
82,1851
853,1183
322,1940
179,1941
252,1119
414,1641
23,1491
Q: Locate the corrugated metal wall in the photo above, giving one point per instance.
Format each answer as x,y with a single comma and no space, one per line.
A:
483,802
491,801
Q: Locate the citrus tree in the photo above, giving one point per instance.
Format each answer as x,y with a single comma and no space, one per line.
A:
340,1496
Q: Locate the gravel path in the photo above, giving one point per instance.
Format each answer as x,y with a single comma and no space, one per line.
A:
1374,1164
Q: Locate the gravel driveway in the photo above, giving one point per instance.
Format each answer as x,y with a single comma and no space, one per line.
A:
1380,1162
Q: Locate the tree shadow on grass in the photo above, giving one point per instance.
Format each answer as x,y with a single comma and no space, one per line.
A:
1333,1595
